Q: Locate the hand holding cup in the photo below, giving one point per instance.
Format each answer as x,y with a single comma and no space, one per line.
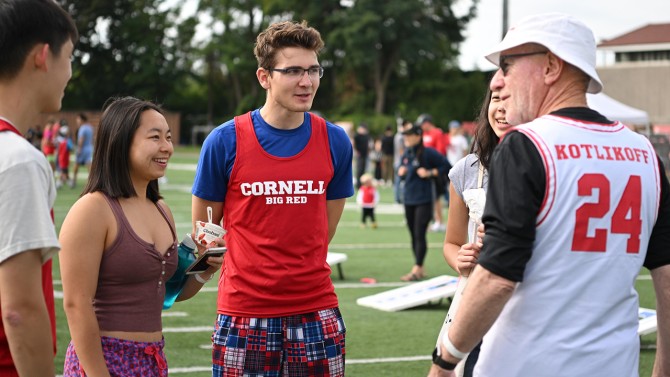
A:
207,232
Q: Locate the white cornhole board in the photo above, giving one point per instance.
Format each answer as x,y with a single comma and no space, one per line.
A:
412,295
336,259
647,321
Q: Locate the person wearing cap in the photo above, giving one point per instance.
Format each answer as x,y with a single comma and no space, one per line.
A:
576,205
418,167
432,135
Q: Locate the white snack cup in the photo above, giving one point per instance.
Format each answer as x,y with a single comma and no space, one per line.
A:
207,232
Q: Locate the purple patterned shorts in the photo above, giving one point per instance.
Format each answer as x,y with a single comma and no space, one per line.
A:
307,345
123,358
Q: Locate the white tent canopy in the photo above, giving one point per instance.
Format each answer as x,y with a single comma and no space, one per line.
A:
615,110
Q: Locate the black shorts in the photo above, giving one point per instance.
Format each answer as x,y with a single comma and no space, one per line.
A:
440,186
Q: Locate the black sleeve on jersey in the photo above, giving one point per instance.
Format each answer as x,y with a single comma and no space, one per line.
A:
658,252
515,193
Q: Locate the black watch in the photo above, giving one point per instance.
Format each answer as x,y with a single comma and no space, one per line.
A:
442,363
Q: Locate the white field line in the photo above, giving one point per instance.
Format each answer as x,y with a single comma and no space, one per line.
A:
59,294
639,277
178,166
174,314
189,329
359,246
347,362
342,224
339,285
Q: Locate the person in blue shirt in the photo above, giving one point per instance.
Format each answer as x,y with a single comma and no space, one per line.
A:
84,154
278,177
419,167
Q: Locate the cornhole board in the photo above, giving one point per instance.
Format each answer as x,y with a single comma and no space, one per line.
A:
647,321
412,295
336,259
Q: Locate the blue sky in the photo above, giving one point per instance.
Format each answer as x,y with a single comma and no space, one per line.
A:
607,19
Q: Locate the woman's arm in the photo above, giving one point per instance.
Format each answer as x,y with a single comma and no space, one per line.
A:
461,255
435,164
457,228
82,246
193,285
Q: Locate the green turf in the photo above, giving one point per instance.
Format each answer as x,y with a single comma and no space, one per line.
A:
383,254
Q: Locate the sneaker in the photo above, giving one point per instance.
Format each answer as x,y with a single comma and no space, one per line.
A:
72,183
374,225
437,227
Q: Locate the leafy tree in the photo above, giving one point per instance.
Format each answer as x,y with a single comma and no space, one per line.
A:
127,47
380,41
382,59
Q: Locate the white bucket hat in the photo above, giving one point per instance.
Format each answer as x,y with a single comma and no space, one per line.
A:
565,36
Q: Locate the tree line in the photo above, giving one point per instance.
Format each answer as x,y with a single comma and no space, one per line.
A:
382,59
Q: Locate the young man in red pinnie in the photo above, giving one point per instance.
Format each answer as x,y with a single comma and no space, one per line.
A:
279,177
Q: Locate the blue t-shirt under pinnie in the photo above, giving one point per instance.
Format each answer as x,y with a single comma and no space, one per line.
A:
219,149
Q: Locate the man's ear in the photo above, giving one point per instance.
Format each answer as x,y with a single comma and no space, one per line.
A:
263,78
553,68
40,55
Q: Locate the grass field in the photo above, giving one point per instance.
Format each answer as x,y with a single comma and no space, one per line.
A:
378,343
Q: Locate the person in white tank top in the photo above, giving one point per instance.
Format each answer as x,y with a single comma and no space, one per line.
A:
467,177
577,205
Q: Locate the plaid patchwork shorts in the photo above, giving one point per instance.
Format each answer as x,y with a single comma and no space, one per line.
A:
123,358
306,345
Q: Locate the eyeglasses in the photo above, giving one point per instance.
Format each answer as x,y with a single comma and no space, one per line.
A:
298,72
504,63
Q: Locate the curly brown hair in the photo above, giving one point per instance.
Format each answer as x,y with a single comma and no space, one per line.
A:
285,34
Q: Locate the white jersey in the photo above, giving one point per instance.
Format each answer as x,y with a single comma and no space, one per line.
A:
27,194
575,313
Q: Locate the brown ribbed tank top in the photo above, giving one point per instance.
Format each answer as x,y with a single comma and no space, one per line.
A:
131,281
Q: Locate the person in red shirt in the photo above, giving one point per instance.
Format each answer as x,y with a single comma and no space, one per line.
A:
433,137
63,155
367,198
278,177
38,38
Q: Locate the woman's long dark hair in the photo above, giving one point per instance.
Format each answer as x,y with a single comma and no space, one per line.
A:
110,172
485,139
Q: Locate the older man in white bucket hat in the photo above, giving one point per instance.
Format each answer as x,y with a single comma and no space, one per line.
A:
576,205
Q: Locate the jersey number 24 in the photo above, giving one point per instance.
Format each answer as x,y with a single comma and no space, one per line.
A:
625,219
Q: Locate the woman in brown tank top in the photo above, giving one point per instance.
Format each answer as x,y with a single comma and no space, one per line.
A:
119,248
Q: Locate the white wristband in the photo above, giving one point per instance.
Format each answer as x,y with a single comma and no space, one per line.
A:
200,279
452,349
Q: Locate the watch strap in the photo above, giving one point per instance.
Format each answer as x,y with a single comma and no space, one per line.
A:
442,363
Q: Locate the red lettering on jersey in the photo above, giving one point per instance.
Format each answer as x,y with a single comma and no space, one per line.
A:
587,149
601,152
560,152
617,153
